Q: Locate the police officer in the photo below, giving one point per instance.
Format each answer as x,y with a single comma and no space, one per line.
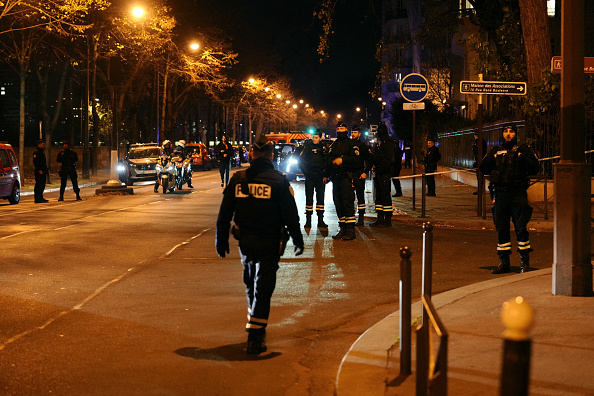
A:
225,154
363,165
431,158
383,162
260,200
68,159
341,163
40,164
397,168
312,162
181,151
509,166
166,151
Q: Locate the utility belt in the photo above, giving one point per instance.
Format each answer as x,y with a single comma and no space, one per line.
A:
238,234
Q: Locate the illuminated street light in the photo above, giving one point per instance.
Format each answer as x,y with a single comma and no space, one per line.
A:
279,96
138,12
358,109
306,105
266,89
339,116
301,101
294,106
287,101
252,80
194,46
322,112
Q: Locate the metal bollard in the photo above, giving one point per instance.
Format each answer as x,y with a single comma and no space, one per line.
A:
405,314
517,317
427,259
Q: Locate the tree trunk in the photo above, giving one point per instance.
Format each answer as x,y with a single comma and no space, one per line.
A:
22,75
537,40
94,114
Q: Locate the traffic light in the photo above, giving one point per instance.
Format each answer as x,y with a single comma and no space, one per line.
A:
311,131
366,133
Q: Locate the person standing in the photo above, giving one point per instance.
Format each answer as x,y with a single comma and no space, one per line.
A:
40,164
509,166
407,154
362,167
312,162
68,159
260,201
341,163
397,168
224,153
431,158
475,152
383,163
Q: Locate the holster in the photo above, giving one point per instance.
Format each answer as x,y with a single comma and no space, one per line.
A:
284,238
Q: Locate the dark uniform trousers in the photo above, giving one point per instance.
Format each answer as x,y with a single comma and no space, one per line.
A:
260,258
512,203
359,185
64,174
383,198
343,195
40,180
314,183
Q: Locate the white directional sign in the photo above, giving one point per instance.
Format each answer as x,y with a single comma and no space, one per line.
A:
413,106
493,87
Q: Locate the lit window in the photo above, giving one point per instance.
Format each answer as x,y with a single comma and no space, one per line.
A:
551,8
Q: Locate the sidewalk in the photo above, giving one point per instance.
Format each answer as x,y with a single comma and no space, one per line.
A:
562,335
101,177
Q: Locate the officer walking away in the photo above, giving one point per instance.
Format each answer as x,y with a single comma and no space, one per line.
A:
225,154
383,163
431,158
363,165
407,154
341,163
40,164
312,162
397,168
68,159
475,153
509,166
260,201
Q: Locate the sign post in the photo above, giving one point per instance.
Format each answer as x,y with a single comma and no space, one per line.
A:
414,88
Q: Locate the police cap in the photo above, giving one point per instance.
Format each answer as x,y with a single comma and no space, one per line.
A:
356,128
511,126
263,145
39,142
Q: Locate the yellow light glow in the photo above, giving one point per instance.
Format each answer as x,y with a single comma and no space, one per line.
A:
294,106
322,111
339,116
287,101
138,12
194,46
306,105
279,96
301,101
358,109
266,89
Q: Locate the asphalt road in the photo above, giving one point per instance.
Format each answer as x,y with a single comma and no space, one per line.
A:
125,295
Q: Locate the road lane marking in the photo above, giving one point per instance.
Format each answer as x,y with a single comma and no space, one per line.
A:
18,233
184,243
63,313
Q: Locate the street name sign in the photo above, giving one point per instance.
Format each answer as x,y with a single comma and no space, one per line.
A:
557,64
493,87
413,106
414,87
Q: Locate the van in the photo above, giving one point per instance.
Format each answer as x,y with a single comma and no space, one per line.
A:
10,177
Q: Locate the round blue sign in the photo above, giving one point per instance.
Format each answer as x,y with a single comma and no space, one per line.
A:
414,87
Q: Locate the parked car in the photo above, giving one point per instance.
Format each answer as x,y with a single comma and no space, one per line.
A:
286,159
139,164
10,178
199,156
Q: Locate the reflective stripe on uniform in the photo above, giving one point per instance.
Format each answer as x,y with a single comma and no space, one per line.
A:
504,246
256,323
523,245
361,207
308,208
350,220
379,208
320,208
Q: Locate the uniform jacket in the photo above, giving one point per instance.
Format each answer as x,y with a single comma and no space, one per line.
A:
383,158
68,158
342,147
263,207
39,161
432,157
363,162
312,160
509,167
223,149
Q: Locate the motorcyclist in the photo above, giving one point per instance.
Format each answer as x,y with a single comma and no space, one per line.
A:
166,152
180,151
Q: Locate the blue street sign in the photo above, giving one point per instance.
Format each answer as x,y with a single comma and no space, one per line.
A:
414,87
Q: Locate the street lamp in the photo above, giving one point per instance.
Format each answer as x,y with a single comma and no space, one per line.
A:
194,46
138,12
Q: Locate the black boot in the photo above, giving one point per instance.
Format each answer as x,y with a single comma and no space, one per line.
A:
61,197
255,344
387,220
503,266
379,221
524,263
307,221
78,198
361,219
321,223
349,233
341,231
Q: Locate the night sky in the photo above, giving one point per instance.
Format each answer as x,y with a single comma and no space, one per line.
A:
281,36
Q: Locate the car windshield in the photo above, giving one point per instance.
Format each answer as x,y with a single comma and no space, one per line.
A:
144,152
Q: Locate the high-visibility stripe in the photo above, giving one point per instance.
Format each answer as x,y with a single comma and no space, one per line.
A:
379,208
361,207
523,243
504,246
350,220
342,220
256,323
319,207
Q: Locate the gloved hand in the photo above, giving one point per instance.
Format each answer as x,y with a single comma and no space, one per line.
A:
222,247
298,250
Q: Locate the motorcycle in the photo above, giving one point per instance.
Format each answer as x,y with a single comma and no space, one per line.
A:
166,174
183,171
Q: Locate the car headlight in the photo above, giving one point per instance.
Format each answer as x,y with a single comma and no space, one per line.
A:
170,168
120,168
293,161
